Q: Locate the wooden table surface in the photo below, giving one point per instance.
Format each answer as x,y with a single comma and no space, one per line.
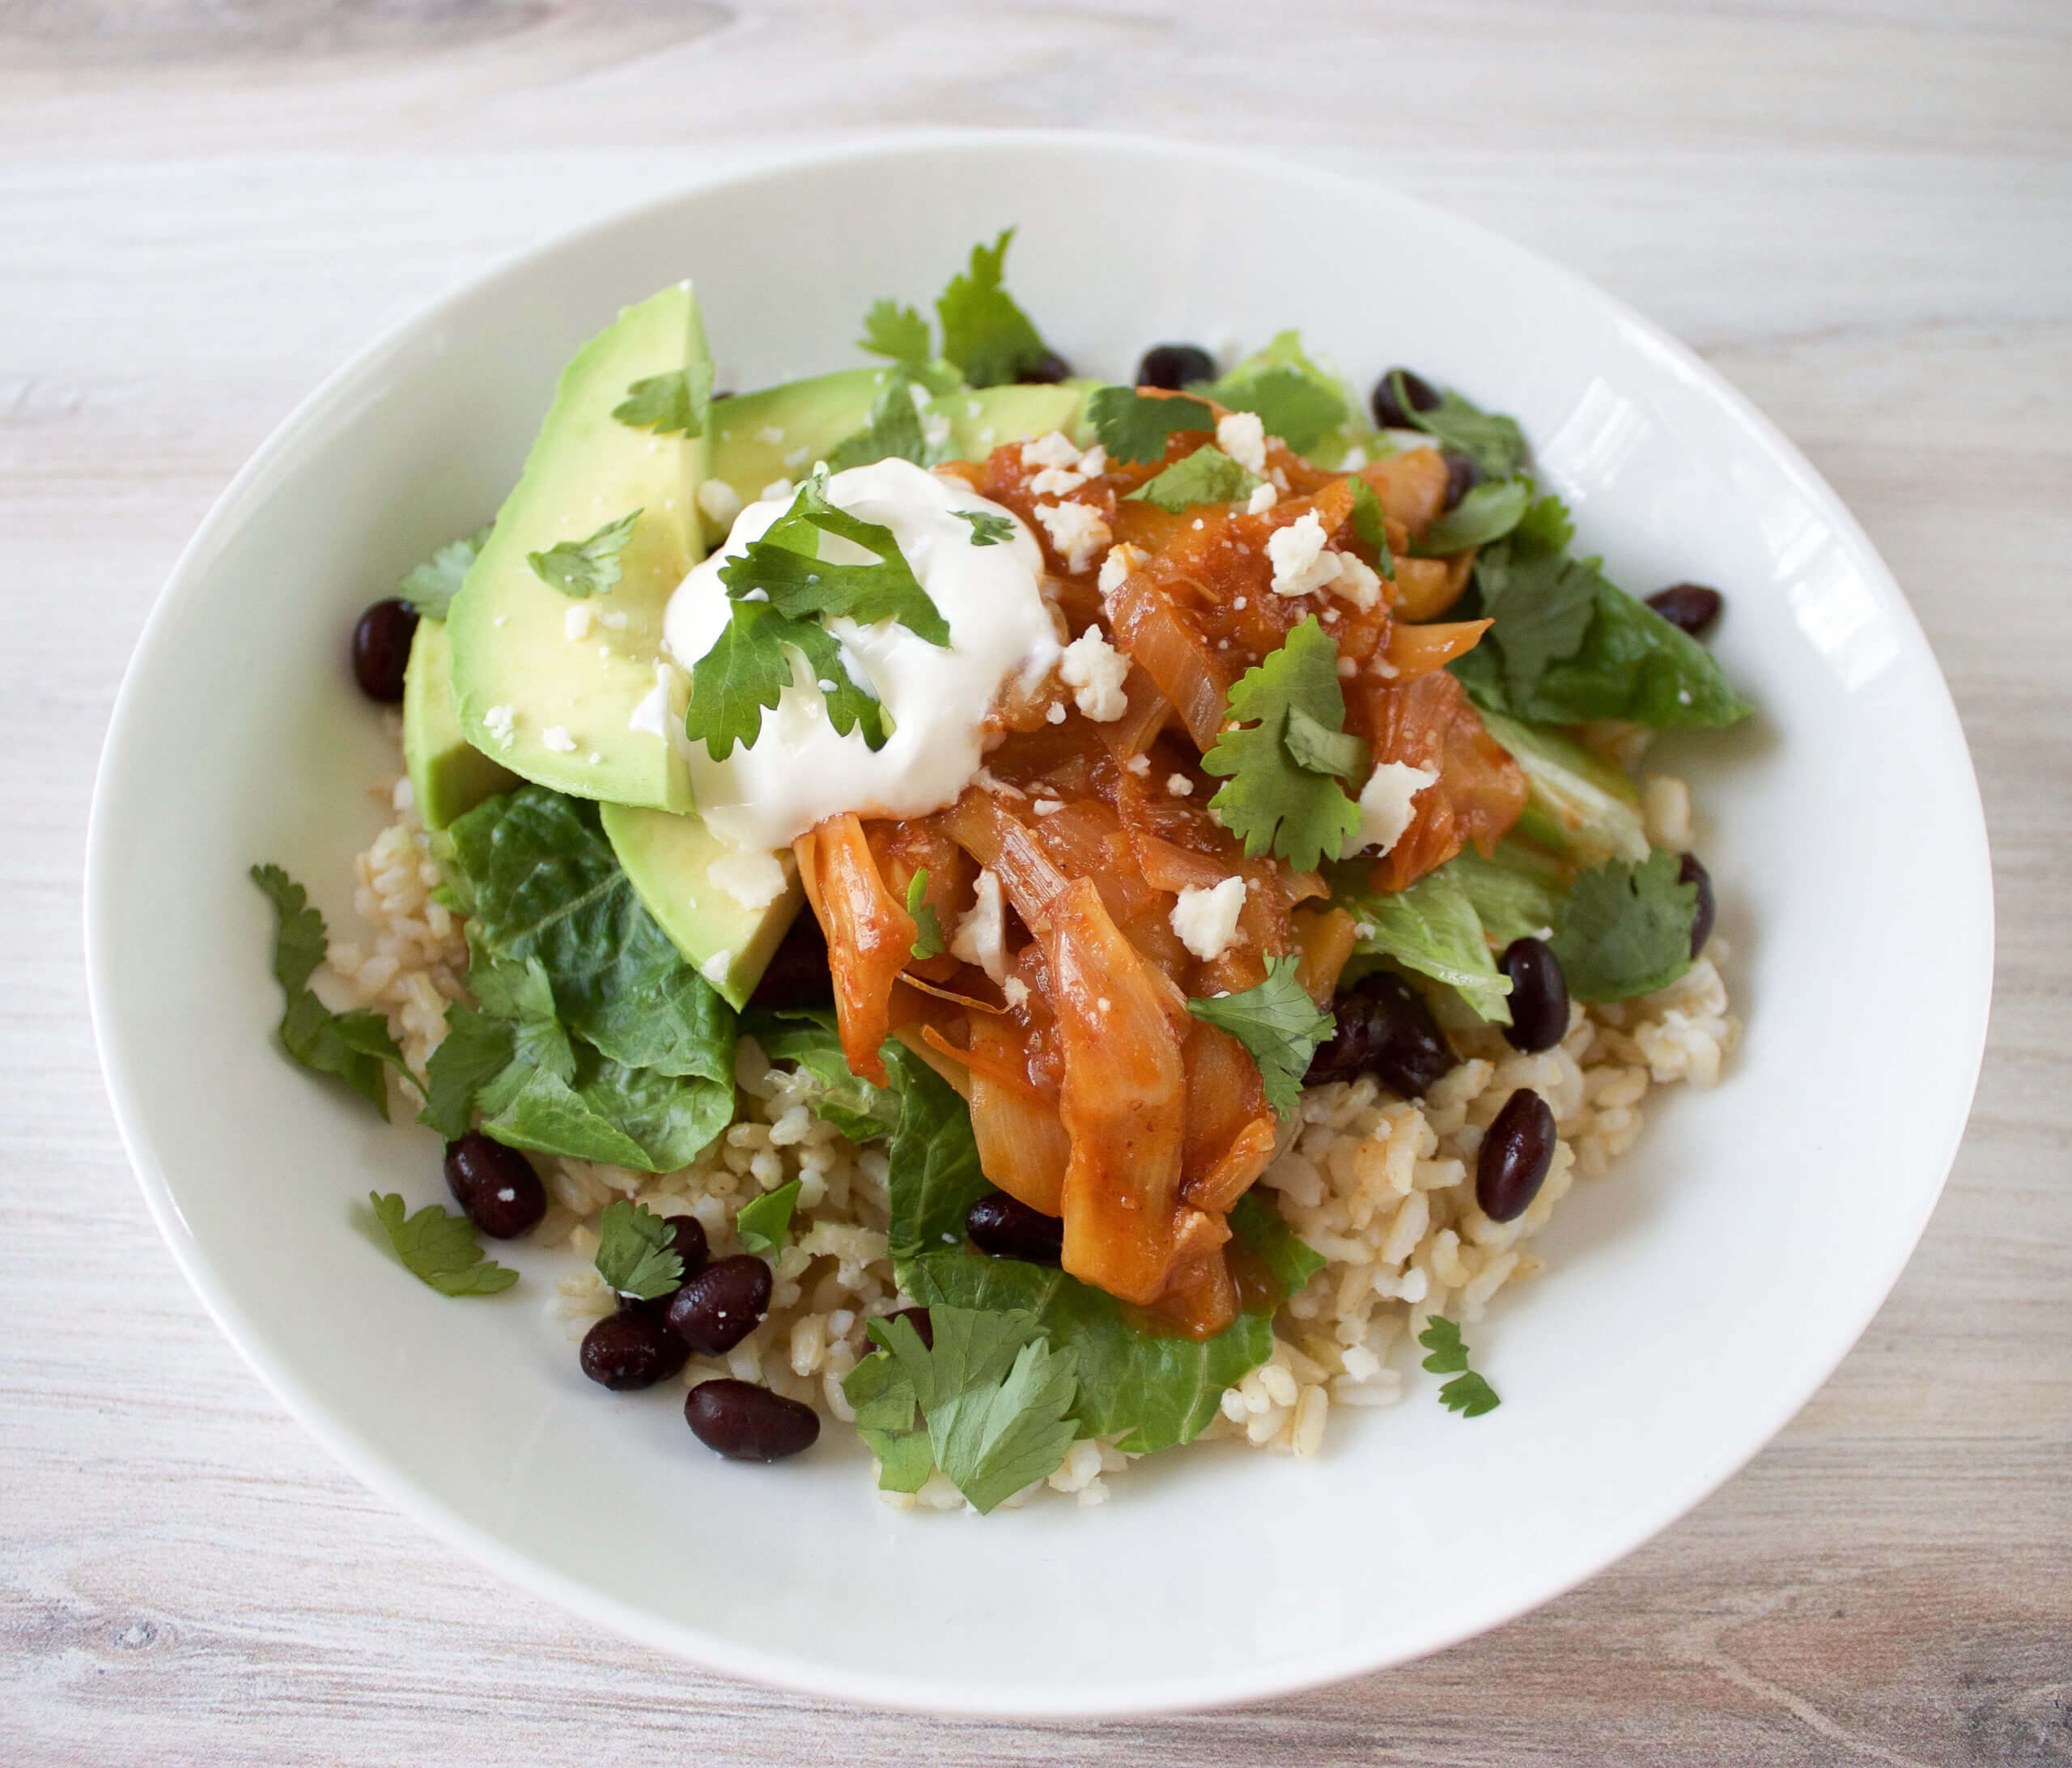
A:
1861,212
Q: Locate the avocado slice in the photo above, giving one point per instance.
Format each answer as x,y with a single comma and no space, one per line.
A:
559,689
1582,807
449,775
667,860
753,433
983,417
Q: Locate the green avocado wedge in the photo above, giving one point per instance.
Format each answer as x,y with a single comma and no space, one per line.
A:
667,860
557,686
983,419
449,774
759,437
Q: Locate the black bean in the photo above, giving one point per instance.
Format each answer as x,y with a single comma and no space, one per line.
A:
1539,996
1463,476
722,1305
922,1324
747,1423
687,1241
381,648
495,1185
1692,871
1007,1228
1047,369
632,1348
799,973
1388,412
1384,1029
722,393
1516,1150
1690,606
1175,366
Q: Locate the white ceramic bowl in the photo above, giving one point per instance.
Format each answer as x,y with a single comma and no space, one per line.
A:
1694,1298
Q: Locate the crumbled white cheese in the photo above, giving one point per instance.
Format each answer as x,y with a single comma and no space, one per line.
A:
1300,563
1016,992
984,780
980,938
1385,804
1363,929
1262,499
1179,786
1049,807
770,435
652,714
1098,671
986,434
719,500
1055,481
615,619
1116,567
556,738
1356,581
714,970
1347,668
1055,714
1054,450
1241,435
776,490
754,880
1206,919
575,624
1095,461
1355,457
1076,531
798,457
501,723
1139,765
499,619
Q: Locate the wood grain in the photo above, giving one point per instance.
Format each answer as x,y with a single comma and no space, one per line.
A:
1861,213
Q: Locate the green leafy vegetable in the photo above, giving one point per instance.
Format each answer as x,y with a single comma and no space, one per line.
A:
1370,524
431,586
356,1046
672,404
889,1418
1467,1393
1582,806
893,430
748,669
1207,476
585,568
1488,512
928,925
1316,749
934,1177
861,1111
487,1056
1270,799
1278,1024
440,1248
1431,928
1627,930
636,1252
1291,1261
899,332
987,529
1494,442
983,332
1133,426
1295,399
1516,895
631,1117
764,1223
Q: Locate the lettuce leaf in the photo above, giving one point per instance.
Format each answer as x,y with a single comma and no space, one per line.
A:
1295,399
1290,1259
935,1177
1516,894
1431,928
862,1111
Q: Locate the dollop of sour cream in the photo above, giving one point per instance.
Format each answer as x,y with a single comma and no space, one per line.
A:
800,770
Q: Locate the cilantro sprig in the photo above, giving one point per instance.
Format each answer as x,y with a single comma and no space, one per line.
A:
636,1251
357,1045
440,1248
1467,1393
893,430
1370,524
1281,770
986,336
892,330
1278,1024
987,528
589,567
1493,441
1627,929
782,592
672,404
764,1223
1133,426
1207,476
928,940
430,587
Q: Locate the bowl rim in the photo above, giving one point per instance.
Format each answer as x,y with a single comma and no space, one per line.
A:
926,1693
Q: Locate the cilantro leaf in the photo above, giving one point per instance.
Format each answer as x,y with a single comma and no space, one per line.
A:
888,1419
1489,511
1541,601
764,1223
440,1248
1295,399
1430,927
1133,426
928,925
1277,1022
1291,1261
996,1397
476,1049
583,567
672,404
1627,930
1207,476
1467,1393
893,430
1317,749
983,332
636,1251
1370,524
892,330
356,1046
785,565
987,529
1270,800
1494,442
746,673
431,586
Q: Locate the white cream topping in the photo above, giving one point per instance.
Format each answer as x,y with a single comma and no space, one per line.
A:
800,770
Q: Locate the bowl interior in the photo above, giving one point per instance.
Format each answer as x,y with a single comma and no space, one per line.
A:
1693,1299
